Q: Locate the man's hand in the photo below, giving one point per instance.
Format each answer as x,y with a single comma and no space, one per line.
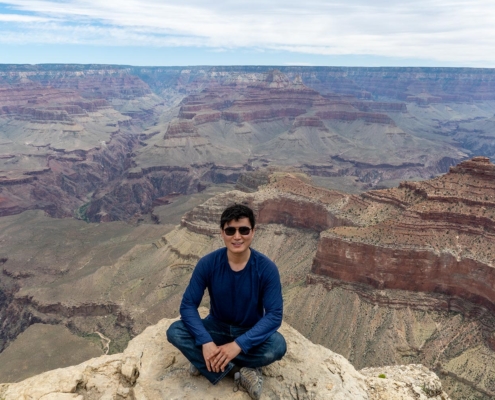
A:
227,353
217,357
210,350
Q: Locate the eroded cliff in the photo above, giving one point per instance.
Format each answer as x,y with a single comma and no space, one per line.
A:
197,126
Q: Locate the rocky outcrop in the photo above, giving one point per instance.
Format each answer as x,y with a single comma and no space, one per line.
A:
286,200
151,368
437,234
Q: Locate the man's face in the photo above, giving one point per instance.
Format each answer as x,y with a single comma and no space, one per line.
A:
238,243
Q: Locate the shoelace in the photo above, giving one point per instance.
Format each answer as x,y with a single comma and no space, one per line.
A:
237,382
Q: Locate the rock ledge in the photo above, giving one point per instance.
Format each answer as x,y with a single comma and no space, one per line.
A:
151,368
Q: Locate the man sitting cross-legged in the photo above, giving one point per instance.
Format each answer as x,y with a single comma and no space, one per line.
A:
245,308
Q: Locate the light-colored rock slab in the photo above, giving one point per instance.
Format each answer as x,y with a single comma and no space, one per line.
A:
403,382
151,368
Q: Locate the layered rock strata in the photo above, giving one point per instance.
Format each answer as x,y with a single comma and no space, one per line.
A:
440,233
424,236
225,120
61,136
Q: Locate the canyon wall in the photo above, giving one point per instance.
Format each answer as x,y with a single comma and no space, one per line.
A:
377,125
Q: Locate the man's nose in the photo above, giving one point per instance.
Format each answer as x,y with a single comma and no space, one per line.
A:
237,235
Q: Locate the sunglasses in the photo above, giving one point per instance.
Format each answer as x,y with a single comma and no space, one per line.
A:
243,230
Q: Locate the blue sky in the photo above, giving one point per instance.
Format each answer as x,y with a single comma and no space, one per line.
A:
227,32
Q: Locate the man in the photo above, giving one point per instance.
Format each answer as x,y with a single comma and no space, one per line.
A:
245,309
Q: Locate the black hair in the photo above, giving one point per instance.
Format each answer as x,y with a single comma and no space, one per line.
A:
236,212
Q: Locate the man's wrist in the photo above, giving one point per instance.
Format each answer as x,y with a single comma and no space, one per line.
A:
239,345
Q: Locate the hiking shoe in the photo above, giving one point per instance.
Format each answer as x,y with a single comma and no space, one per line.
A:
193,371
251,380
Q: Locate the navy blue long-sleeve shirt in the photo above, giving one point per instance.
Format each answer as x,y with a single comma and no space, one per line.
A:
250,298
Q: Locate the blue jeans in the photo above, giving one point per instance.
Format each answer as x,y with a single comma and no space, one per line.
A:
270,350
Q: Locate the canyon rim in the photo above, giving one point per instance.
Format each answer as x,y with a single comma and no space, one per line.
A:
373,189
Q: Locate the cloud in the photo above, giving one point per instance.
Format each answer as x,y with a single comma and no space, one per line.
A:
454,30
20,18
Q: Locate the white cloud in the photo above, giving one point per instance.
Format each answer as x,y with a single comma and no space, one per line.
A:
453,30
20,18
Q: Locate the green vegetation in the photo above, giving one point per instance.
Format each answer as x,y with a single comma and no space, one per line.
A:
93,338
81,212
119,344
383,376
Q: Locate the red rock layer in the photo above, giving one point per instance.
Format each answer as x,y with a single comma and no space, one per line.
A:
180,127
413,269
436,236
352,116
310,122
286,200
38,103
273,96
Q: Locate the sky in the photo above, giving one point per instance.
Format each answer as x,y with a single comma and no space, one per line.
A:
452,33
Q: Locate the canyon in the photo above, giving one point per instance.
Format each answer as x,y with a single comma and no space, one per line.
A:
178,129
373,190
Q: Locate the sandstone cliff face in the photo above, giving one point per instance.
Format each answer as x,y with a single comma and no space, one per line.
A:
151,368
439,235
